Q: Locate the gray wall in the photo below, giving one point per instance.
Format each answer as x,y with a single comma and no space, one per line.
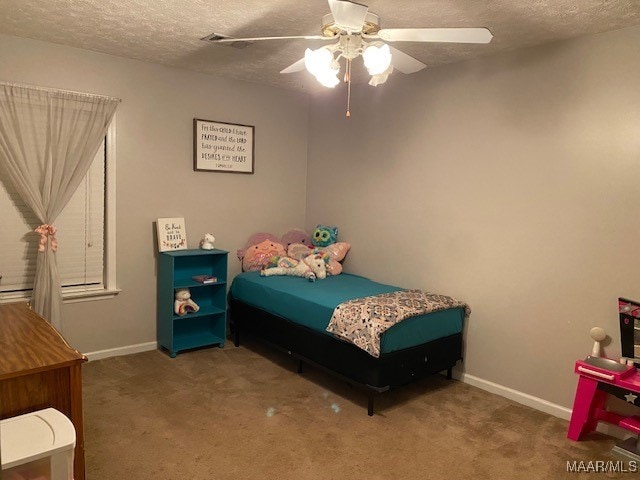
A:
155,176
509,182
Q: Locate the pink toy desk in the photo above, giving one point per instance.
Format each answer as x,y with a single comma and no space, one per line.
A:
589,405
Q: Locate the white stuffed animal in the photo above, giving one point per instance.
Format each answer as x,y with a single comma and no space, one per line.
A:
207,242
183,303
310,267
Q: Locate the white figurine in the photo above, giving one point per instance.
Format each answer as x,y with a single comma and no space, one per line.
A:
207,242
598,334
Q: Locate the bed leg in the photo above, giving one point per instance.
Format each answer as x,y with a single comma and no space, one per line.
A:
370,404
300,366
449,373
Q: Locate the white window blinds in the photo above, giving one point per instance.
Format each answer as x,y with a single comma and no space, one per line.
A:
80,235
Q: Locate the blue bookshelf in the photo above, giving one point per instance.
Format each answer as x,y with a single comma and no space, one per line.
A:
208,325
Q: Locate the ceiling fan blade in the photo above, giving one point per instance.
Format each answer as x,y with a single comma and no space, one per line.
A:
216,38
405,63
294,67
452,35
348,15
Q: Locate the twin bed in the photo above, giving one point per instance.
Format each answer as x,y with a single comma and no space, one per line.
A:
292,315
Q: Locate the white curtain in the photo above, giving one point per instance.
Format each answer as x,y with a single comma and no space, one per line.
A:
48,139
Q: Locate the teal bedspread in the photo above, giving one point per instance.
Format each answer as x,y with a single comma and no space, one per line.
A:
312,303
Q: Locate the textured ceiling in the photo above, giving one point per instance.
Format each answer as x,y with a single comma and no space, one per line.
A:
169,31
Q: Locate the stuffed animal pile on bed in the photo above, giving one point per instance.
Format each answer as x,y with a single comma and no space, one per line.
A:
310,267
289,255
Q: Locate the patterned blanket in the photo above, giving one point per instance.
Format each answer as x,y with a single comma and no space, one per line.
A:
362,321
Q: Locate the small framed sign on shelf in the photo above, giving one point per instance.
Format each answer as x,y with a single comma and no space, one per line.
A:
223,147
172,234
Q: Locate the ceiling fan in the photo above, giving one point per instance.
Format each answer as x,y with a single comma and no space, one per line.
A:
356,32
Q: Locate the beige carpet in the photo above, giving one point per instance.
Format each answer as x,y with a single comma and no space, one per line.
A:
244,413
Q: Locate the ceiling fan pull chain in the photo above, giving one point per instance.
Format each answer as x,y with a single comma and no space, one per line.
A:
348,114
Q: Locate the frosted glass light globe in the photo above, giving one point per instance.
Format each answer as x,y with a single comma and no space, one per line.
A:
377,59
329,78
317,61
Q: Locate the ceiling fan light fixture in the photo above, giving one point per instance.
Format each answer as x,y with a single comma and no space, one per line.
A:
328,79
318,61
356,32
380,78
321,64
377,59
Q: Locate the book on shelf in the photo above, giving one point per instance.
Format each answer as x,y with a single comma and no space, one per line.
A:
204,279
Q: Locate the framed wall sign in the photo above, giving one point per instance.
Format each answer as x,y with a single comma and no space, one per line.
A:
172,234
222,147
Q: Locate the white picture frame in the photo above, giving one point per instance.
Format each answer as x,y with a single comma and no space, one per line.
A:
172,234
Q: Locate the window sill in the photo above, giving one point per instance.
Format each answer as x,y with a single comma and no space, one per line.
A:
67,297
89,295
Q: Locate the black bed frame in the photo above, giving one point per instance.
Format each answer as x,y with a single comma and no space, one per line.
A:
342,359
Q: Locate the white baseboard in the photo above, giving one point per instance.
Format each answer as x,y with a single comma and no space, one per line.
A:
515,395
115,352
534,402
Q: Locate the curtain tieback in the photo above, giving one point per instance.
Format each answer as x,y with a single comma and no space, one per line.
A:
47,232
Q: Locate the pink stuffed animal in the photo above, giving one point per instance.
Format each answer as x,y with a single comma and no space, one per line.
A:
255,239
296,235
259,256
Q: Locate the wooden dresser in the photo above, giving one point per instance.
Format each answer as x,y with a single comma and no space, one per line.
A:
38,369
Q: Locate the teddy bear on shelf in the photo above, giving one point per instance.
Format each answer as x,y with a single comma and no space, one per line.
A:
207,242
310,267
183,303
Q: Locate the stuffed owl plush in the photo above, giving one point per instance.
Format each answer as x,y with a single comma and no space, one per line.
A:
324,236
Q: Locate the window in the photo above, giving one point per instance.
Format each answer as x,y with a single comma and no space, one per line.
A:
86,235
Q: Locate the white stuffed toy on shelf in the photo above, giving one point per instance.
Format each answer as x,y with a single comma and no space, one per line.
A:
183,303
207,242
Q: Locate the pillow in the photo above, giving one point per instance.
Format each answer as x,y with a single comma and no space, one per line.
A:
258,256
334,268
296,235
337,251
255,239
299,251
